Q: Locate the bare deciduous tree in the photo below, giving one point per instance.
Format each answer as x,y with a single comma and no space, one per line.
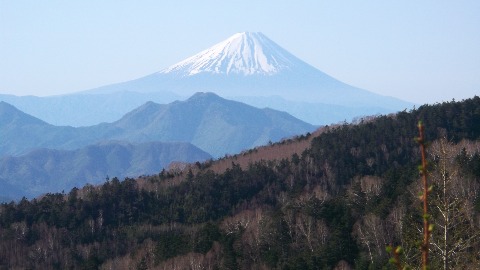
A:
371,233
452,207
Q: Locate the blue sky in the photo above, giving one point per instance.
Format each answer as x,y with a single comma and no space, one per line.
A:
421,51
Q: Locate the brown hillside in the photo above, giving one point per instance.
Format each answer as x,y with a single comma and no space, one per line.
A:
272,152
284,149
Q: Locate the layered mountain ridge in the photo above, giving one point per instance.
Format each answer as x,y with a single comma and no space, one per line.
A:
37,157
49,170
215,125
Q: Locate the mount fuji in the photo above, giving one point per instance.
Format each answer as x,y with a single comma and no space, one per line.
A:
247,67
242,54
251,65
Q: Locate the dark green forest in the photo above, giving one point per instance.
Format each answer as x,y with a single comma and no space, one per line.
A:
337,205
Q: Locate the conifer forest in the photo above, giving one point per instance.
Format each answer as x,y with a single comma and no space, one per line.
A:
337,203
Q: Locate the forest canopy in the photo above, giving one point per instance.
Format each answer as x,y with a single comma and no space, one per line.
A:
339,203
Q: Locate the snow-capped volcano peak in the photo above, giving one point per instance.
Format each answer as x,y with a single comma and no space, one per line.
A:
244,53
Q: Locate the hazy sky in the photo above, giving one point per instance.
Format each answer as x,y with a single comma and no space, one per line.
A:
419,51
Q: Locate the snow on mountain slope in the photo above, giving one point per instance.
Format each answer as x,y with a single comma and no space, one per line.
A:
243,53
250,65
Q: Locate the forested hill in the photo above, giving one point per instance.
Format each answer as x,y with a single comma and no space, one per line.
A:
338,204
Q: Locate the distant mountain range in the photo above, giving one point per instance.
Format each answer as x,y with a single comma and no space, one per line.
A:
143,141
247,67
85,109
289,96
47,170
215,125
